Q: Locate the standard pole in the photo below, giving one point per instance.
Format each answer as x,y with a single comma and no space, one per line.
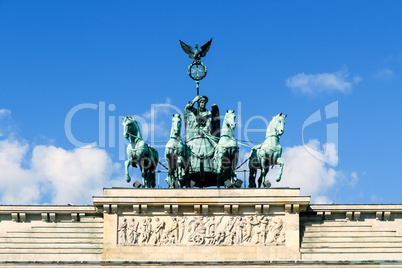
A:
197,85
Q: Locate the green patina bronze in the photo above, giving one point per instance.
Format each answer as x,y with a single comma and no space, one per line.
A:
197,70
177,155
202,136
195,53
268,153
139,153
208,156
227,151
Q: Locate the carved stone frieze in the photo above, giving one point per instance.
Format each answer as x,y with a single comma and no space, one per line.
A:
200,230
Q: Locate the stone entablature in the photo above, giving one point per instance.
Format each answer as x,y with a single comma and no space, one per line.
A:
170,224
202,227
352,232
50,233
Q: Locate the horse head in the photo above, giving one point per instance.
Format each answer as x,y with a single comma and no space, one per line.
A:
277,125
130,127
176,125
230,119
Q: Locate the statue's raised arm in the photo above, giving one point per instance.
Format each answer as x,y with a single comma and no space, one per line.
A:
198,120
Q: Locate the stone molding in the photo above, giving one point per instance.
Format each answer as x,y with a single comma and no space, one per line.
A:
23,213
356,212
201,201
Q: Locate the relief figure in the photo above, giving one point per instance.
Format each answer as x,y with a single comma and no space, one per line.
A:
122,231
201,230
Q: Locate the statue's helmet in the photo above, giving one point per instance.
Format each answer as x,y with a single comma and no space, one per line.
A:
204,98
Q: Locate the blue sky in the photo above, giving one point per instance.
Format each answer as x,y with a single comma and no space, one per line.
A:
295,57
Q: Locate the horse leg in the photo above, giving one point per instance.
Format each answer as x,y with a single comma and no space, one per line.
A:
233,176
151,178
219,169
176,182
186,167
264,172
233,164
154,161
169,161
219,177
177,171
226,169
181,171
281,164
251,178
259,182
143,173
127,165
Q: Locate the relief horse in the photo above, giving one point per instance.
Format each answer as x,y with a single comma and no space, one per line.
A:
268,154
177,156
139,153
227,150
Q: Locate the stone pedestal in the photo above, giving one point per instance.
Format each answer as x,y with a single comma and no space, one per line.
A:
201,224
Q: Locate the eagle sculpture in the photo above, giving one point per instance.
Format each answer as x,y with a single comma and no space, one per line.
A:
194,53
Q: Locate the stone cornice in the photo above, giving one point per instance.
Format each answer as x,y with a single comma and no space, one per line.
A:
230,199
357,207
6,209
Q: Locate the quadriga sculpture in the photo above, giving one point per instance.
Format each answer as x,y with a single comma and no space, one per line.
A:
139,153
177,156
267,154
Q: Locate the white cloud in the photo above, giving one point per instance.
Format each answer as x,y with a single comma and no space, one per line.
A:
383,74
303,170
357,79
74,176
4,112
64,176
319,199
6,125
48,174
348,179
17,185
393,58
312,84
354,178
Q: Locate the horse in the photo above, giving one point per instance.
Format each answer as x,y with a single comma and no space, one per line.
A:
227,150
177,156
268,153
139,152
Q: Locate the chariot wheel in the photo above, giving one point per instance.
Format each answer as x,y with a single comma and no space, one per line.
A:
198,239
